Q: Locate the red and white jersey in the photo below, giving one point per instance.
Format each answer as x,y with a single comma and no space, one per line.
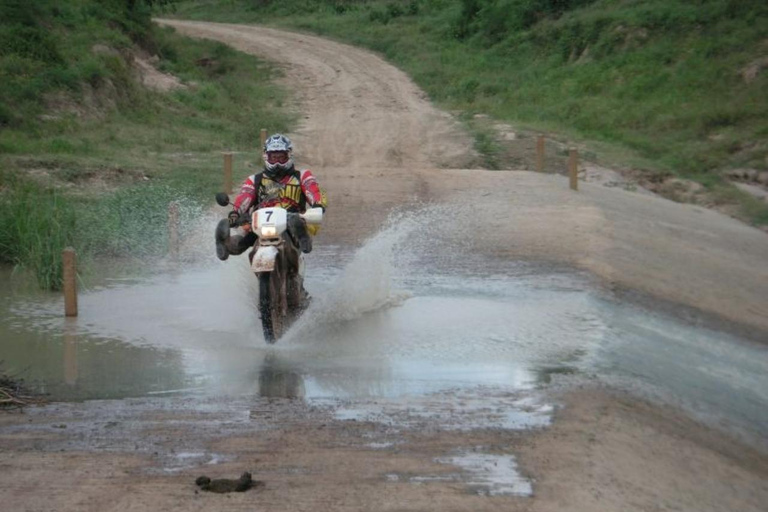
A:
296,191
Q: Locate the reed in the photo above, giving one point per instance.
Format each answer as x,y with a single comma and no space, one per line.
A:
36,224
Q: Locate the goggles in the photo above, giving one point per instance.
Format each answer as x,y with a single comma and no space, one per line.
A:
277,157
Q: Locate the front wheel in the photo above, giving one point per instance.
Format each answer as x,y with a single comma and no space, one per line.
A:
272,302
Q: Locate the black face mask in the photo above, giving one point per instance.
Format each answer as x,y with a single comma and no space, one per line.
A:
278,173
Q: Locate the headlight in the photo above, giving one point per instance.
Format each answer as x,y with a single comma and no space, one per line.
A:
268,231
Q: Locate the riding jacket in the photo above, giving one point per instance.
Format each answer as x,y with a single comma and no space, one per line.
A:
295,191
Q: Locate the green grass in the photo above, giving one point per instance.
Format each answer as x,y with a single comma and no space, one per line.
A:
46,46
230,100
659,78
60,144
35,226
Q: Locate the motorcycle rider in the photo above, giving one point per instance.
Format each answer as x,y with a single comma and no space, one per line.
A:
279,184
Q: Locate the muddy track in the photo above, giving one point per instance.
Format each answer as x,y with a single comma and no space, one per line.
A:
358,111
377,144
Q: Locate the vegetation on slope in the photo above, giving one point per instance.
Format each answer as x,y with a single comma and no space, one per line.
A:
680,82
89,156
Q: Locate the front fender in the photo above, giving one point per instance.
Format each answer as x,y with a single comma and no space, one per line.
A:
264,259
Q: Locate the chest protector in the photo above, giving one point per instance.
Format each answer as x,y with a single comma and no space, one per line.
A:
286,194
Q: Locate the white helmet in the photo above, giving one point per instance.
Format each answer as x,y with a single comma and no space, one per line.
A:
282,160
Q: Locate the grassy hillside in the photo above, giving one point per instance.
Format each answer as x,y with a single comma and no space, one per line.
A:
680,83
91,157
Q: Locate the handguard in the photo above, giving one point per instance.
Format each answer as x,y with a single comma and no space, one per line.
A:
313,216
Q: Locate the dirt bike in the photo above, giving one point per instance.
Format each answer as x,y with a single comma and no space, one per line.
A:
278,263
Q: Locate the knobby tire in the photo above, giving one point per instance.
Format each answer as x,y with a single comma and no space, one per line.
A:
271,288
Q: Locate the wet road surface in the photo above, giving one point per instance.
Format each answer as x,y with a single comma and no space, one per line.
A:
389,322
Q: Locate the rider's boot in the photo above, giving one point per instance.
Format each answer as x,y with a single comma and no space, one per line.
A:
227,244
222,237
299,229
305,242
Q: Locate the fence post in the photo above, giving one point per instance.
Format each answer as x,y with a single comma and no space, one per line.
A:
263,137
69,263
573,168
228,173
173,230
540,154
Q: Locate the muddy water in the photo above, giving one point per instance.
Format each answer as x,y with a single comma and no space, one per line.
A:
389,321
197,331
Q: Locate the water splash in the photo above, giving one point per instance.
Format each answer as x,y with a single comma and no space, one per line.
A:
366,282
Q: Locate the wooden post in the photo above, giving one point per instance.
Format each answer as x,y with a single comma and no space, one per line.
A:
573,168
228,173
70,281
173,230
263,137
540,154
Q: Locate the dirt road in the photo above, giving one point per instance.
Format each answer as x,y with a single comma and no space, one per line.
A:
378,145
604,452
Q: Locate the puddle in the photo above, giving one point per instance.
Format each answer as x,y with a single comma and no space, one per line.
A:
397,330
185,334
482,473
380,446
176,462
491,475
473,409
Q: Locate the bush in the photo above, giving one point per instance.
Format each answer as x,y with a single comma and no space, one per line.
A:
6,116
494,20
32,42
393,10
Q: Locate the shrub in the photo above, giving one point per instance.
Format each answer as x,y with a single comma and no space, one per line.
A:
494,20
32,42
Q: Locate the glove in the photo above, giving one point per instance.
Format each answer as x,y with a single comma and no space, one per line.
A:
233,216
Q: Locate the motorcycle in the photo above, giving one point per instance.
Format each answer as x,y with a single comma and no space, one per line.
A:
278,263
